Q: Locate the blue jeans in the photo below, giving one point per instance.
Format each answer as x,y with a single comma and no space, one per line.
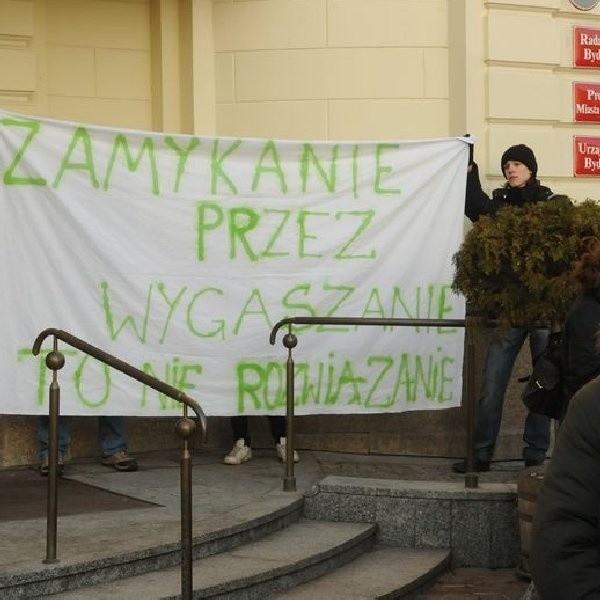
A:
501,356
111,433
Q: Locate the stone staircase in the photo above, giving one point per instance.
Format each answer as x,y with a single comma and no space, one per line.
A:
332,557
338,537
280,555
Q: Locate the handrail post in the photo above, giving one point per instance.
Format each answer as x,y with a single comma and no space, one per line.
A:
289,482
471,477
54,361
185,429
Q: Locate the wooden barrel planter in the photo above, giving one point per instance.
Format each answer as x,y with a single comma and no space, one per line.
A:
529,483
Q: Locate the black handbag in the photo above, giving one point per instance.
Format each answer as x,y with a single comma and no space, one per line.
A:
544,393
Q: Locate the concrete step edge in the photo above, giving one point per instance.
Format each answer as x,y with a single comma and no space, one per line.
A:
47,580
385,572
274,563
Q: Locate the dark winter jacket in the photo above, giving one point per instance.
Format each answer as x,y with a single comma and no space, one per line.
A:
565,549
582,359
478,203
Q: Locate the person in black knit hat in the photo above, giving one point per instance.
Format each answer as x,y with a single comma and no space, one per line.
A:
519,167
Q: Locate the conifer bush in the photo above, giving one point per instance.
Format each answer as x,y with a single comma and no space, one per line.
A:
517,266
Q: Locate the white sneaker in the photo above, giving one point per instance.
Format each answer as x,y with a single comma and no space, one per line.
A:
281,450
239,454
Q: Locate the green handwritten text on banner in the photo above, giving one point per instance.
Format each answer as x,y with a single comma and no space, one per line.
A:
178,254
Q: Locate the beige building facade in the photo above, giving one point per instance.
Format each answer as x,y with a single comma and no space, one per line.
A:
503,71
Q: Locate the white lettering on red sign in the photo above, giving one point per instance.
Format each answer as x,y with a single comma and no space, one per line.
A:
586,156
586,47
586,101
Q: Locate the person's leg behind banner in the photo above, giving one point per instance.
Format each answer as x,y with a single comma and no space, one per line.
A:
64,440
241,451
277,425
501,355
112,436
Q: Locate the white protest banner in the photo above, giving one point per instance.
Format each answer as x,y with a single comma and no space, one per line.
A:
178,254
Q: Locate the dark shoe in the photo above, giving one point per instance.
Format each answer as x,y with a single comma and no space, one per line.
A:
120,461
479,466
533,462
45,469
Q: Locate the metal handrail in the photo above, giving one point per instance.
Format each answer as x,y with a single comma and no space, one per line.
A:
185,428
375,321
120,365
290,341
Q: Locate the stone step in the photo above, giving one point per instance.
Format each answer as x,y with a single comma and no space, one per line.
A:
383,572
479,525
275,563
127,551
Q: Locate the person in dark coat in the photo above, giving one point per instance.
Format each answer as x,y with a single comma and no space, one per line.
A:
519,166
581,356
565,545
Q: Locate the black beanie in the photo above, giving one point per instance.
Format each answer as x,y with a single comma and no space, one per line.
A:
520,153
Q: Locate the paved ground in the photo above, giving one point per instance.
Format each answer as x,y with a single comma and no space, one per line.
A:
476,584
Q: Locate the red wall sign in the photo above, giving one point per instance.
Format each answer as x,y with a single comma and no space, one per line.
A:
586,156
586,47
586,101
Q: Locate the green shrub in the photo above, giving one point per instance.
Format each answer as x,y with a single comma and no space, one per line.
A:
517,266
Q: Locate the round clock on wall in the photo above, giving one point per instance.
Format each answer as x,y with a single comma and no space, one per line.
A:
584,4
